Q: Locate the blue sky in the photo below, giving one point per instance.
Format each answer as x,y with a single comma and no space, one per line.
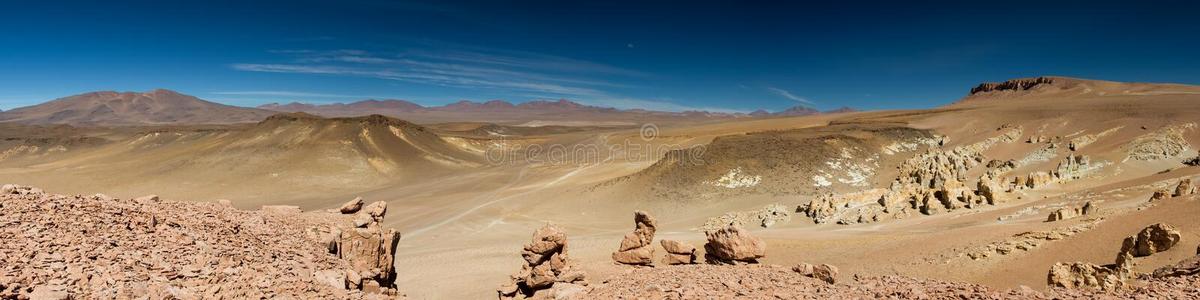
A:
676,55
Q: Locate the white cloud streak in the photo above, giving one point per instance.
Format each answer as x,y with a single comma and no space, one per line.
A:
507,72
786,94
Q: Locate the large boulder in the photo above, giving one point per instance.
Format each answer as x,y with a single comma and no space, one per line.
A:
636,248
1155,238
733,244
546,266
678,253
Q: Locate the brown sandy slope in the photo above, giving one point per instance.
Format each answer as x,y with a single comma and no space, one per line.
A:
132,108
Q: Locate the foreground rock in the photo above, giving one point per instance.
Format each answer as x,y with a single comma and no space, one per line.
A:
99,247
547,272
733,245
352,206
369,248
678,253
637,247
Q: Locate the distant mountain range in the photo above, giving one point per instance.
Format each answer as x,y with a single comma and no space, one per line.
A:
132,108
165,107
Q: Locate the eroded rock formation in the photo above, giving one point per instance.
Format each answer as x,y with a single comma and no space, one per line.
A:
637,247
547,269
1184,188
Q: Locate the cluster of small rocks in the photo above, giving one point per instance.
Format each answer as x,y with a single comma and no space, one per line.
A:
779,282
101,247
765,217
1026,241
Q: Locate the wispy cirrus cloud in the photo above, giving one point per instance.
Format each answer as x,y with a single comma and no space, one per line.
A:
786,94
505,72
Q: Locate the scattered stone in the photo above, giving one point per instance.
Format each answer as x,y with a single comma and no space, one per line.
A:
636,248
1061,214
281,209
678,253
225,202
1195,161
1184,188
824,272
766,217
733,245
1155,238
352,206
1160,195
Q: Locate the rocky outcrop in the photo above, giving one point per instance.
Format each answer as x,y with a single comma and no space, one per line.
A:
636,248
678,253
1068,212
766,217
1155,238
824,272
1080,275
1072,167
101,247
1166,142
1160,195
1011,85
733,245
369,248
1184,188
546,266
